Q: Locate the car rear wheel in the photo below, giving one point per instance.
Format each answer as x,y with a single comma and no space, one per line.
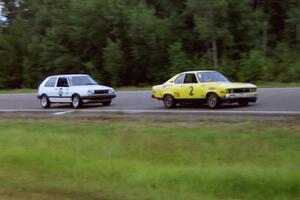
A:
106,103
213,101
243,103
45,103
76,102
169,101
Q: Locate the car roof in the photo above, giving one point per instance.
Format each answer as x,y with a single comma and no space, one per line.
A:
197,71
67,75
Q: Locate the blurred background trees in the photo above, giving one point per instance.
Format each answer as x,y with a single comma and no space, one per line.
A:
141,42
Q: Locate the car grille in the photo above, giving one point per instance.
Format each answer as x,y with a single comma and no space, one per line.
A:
101,91
242,90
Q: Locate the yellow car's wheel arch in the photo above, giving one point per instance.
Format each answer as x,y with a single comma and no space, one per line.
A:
169,100
213,99
212,91
168,93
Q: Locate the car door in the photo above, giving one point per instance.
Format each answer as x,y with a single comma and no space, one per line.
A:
49,87
62,94
191,87
177,88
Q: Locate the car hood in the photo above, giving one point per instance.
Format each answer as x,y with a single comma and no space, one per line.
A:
94,87
230,85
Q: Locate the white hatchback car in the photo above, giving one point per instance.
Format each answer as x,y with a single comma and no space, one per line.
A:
77,89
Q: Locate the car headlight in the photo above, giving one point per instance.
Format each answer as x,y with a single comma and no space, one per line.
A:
111,91
90,92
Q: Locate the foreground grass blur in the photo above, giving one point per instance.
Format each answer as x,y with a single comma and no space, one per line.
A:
146,160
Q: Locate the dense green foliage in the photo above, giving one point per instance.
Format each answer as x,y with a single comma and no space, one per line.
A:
86,159
140,42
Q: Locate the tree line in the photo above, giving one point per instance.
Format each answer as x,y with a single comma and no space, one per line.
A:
143,42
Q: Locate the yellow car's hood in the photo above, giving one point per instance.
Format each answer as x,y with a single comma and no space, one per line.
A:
230,85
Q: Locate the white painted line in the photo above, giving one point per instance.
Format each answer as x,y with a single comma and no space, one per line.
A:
193,111
63,113
141,91
147,91
35,94
289,88
32,110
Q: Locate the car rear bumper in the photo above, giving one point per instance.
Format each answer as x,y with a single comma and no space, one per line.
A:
235,97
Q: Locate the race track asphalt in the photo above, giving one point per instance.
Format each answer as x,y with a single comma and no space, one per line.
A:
270,100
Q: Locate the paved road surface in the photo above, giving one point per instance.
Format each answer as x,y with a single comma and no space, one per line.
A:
270,100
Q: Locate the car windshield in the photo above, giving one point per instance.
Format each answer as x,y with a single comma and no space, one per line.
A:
82,80
211,77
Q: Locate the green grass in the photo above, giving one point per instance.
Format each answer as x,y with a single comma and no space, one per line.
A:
132,88
277,84
17,91
147,160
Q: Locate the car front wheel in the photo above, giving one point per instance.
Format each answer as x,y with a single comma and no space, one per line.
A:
243,103
45,103
213,101
106,103
169,101
76,102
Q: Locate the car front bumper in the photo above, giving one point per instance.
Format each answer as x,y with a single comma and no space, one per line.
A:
235,97
98,98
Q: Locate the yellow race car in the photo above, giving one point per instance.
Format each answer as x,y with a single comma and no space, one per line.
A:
209,87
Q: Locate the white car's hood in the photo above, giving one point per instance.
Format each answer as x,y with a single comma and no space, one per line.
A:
94,87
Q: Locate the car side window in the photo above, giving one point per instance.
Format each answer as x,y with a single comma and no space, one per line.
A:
190,78
51,82
179,79
62,82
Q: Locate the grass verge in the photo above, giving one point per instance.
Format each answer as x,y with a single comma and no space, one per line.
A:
277,85
18,91
73,159
132,88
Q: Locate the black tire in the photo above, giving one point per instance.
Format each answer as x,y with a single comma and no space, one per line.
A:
243,103
106,103
76,101
45,103
169,101
213,101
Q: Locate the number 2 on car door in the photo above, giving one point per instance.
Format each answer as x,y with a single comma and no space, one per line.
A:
191,91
